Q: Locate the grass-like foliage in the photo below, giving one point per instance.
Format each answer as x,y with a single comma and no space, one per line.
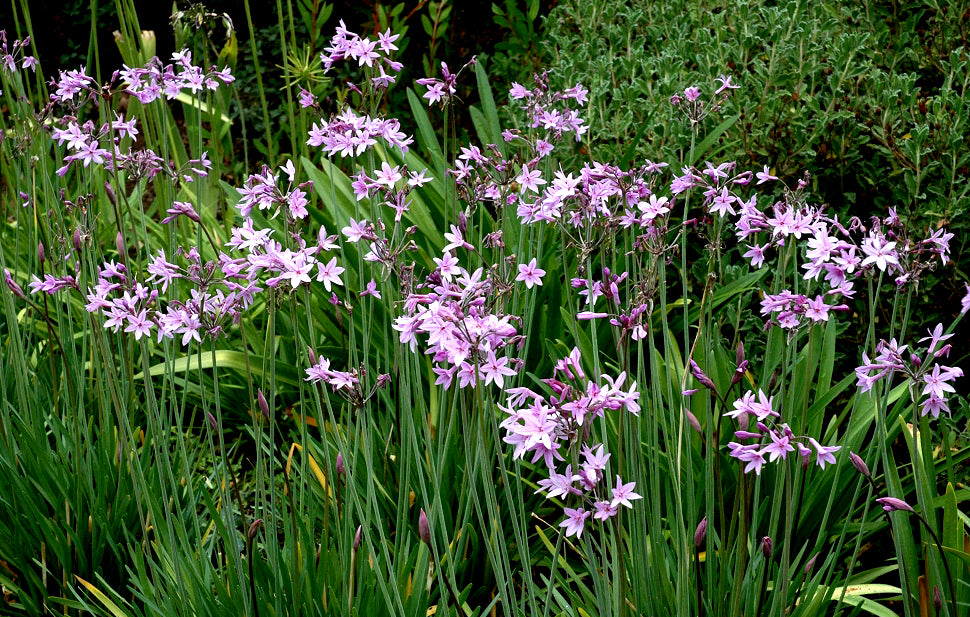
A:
369,372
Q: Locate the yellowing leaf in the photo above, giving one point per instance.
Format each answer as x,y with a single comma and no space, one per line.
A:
113,608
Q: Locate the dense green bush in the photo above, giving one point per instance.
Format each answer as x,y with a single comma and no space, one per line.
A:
871,98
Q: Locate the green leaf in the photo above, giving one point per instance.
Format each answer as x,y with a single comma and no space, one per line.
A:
713,136
113,608
494,131
855,595
427,138
533,10
737,286
224,359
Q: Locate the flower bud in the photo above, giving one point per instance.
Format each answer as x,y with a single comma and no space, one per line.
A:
120,245
700,532
462,223
76,239
890,504
693,421
739,354
212,421
341,470
810,565
254,527
357,538
110,192
739,372
859,464
937,598
41,255
263,405
424,528
767,547
701,376
15,289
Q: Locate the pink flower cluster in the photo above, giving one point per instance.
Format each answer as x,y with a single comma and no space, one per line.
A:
696,109
260,191
220,293
834,254
367,52
920,370
350,134
463,335
155,80
345,383
770,438
14,55
550,428
84,142
442,90
542,106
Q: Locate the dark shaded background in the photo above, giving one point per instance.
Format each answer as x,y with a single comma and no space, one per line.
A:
62,27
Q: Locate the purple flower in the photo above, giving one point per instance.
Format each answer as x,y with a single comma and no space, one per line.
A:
575,521
725,84
530,274
623,494
879,252
824,454
765,176
329,273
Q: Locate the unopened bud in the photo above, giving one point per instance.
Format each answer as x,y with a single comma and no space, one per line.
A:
739,372
693,421
312,355
254,527
212,421
110,192
890,504
263,405
859,464
424,529
341,470
357,538
767,547
701,376
700,532
120,245
462,223
739,354
76,239
937,598
773,381
15,289
810,565
41,255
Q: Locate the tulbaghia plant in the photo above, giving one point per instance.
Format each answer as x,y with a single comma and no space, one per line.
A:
395,372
